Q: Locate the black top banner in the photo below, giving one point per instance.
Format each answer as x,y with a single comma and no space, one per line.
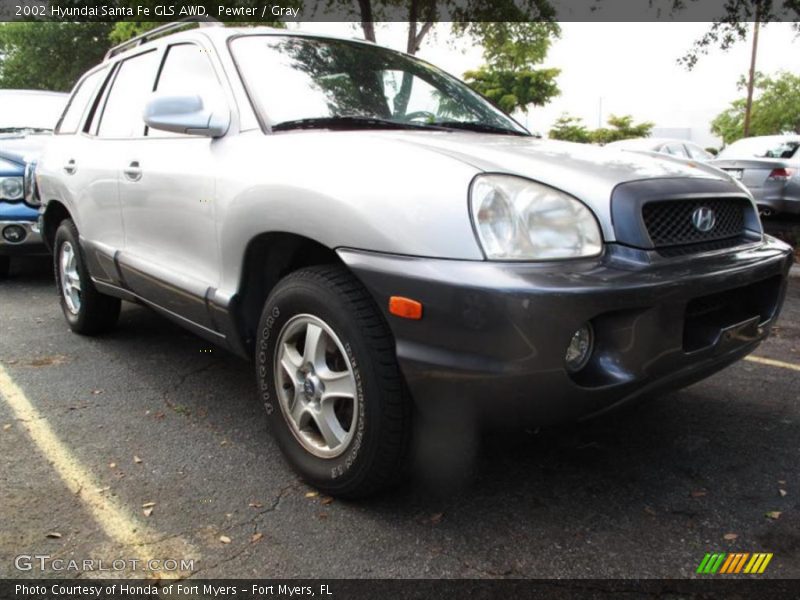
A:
272,11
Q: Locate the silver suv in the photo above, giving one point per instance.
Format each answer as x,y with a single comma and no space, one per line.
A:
387,246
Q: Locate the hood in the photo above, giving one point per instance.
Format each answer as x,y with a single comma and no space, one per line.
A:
585,171
21,148
590,173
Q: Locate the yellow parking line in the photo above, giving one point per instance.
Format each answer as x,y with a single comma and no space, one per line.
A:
115,520
773,363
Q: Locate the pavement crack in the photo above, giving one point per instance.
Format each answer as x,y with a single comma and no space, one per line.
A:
276,502
182,378
485,572
222,561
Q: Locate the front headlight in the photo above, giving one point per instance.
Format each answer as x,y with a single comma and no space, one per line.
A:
519,219
11,188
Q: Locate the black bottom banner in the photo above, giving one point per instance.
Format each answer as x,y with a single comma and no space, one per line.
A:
383,589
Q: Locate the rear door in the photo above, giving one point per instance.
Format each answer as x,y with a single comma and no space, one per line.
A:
74,170
167,189
116,123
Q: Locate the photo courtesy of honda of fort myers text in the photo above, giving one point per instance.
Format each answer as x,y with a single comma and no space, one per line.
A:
418,299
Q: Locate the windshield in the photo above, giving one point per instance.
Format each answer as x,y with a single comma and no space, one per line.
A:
298,82
762,147
30,110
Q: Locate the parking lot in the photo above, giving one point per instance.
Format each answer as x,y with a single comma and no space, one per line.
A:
150,444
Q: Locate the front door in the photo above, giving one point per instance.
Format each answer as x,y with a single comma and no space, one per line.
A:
167,189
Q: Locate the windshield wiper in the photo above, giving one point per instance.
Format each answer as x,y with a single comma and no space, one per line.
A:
478,127
349,123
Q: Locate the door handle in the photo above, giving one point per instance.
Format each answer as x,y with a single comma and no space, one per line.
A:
133,172
70,167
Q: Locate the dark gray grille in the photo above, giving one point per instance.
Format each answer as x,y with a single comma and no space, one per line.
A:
669,222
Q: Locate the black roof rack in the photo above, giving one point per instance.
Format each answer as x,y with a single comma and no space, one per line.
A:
162,30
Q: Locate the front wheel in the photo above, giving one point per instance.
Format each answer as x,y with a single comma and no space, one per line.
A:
87,311
329,379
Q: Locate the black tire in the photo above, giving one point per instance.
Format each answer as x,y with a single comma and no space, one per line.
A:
97,312
376,456
5,266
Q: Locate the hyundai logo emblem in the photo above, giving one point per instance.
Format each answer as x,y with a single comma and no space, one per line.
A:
704,219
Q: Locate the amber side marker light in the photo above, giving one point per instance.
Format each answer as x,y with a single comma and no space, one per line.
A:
405,308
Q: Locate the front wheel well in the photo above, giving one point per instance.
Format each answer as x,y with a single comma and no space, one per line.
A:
54,214
269,258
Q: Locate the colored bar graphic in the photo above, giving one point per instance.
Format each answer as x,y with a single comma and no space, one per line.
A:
730,564
749,567
765,563
714,567
741,562
703,563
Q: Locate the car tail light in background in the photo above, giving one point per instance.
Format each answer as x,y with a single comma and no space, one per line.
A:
781,174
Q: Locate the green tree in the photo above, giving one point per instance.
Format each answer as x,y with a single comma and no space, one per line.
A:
729,124
49,55
776,108
570,129
466,18
512,90
517,38
621,128
511,50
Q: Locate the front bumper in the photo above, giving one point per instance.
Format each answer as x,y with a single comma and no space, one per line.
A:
30,244
494,335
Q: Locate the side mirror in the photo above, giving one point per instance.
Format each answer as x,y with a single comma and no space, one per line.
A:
186,114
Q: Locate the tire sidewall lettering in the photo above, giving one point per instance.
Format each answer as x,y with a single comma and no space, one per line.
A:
346,463
263,362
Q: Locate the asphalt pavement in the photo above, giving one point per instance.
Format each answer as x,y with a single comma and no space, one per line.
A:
150,443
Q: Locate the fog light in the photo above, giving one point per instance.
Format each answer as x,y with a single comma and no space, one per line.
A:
579,349
14,234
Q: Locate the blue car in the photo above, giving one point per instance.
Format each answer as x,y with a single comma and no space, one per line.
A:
27,119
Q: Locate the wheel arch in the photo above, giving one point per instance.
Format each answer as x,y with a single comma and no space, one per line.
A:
54,214
268,258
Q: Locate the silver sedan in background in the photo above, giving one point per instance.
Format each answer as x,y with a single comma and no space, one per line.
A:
678,148
769,166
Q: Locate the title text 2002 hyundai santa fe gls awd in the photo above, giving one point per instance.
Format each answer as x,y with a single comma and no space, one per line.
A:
381,239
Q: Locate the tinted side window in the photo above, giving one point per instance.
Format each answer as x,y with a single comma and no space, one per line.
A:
83,95
188,71
133,84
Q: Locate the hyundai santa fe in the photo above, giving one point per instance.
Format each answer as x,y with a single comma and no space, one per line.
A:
382,241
